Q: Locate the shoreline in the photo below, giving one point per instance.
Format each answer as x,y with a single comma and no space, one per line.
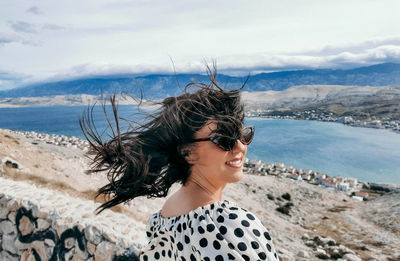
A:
347,120
82,146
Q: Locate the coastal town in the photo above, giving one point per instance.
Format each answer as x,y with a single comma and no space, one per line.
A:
351,186
313,115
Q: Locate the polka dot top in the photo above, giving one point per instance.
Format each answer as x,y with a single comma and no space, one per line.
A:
218,231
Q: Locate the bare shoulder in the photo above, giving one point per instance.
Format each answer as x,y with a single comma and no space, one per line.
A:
175,205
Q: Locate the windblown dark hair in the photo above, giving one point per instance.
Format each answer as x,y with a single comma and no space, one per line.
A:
147,159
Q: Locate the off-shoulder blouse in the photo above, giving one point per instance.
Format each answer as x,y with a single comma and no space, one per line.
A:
218,231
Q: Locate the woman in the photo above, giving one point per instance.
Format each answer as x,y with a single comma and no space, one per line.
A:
197,139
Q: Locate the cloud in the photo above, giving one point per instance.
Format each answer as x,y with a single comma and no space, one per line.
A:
52,27
34,10
13,38
21,26
339,57
10,80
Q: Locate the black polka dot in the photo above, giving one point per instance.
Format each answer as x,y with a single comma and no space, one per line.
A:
148,234
231,246
162,243
179,228
207,258
231,257
223,230
220,210
203,242
233,208
183,258
201,218
219,258
242,246
250,216
180,246
216,244
256,232
232,216
145,258
266,235
163,253
187,239
220,219
245,223
219,236
192,257
238,232
210,227
276,257
269,247
201,230
262,255
169,253
255,245
246,257
172,239
157,255
184,226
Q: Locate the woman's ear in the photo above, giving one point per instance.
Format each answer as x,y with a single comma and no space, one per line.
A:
187,153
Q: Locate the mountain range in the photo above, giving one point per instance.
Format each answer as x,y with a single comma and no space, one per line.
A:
155,86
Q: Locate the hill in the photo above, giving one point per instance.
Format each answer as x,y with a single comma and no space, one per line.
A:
161,85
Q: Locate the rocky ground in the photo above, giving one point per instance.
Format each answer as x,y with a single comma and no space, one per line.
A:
307,222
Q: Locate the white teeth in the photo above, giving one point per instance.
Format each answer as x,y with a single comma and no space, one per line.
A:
237,162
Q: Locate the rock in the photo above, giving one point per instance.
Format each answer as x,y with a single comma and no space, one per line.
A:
8,243
13,205
91,248
305,236
42,224
40,249
27,256
351,257
303,254
11,217
310,243
327,241
4,256
49,242
69,242
7,227
105,251
26,227
3,213
110,237
93,234
321,251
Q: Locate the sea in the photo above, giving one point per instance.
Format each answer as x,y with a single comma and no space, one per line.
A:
370,155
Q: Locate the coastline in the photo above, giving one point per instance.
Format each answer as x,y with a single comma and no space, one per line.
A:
259,167
300,216
348,121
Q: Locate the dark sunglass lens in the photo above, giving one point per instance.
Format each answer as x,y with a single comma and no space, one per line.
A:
224,143
247,135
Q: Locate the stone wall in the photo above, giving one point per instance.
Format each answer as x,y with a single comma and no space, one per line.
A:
40,224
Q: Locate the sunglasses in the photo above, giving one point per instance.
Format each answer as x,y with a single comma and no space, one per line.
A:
228,143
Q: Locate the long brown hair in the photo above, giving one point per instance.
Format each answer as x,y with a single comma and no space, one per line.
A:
148,158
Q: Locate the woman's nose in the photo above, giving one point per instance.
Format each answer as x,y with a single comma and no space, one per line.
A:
239,146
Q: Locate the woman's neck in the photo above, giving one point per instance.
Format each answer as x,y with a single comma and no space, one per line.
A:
202,190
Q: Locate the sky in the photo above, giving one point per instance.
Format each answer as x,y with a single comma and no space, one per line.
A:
51,40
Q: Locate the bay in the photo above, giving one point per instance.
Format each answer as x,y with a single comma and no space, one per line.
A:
330,148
